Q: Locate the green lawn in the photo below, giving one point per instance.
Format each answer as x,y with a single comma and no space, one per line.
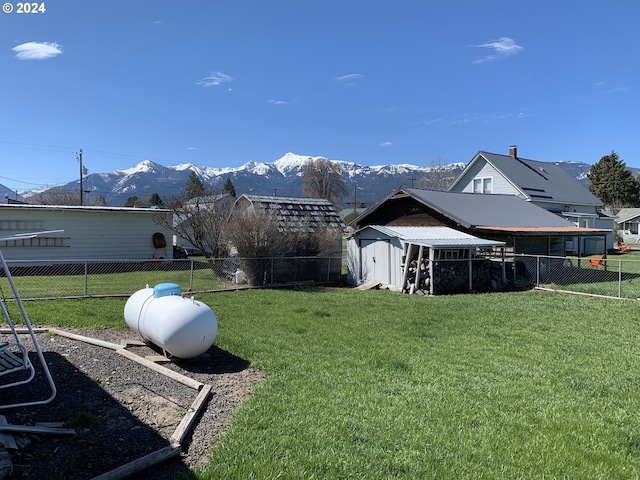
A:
375,384
621,277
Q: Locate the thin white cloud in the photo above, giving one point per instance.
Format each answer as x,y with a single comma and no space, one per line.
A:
158,22
192,148
618,90
277,102
502,48
214,80
37,50
386,144
612,90
351,77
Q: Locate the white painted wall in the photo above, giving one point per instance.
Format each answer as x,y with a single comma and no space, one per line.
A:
482,169
90,233
374,257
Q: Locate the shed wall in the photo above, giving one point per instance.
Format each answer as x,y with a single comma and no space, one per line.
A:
88,234
376,259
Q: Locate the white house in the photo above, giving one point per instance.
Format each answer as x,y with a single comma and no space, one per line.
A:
629,224
88,233
543,184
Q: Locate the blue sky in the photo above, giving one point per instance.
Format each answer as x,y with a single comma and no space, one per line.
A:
221,83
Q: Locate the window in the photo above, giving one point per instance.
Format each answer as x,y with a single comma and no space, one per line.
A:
482,185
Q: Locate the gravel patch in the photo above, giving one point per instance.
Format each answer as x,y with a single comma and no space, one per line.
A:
120,410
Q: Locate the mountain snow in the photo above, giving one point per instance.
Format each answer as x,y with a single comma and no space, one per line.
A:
281,177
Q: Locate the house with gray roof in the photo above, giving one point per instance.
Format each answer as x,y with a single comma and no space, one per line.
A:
521,225
543,184
629,224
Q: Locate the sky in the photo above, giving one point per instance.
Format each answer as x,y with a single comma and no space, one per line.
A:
221,83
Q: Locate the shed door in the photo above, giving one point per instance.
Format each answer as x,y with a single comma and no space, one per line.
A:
375,261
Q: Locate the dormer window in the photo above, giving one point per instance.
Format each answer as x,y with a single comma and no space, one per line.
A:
482,185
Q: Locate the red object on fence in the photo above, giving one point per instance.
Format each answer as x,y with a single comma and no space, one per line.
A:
597,262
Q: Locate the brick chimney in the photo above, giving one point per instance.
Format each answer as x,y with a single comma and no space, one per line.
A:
513,151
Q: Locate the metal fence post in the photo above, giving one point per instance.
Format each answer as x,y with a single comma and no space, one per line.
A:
191,277
537,270
619,278
86,278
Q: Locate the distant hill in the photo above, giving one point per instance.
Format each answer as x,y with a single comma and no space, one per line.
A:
367,184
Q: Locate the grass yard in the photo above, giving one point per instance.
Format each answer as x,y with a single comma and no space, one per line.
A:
620,277
117,283
374,384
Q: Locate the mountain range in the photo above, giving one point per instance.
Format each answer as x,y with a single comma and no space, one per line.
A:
365,184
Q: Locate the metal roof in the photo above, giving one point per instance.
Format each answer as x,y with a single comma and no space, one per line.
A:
540,181
442,237
86,208
473,210
626,214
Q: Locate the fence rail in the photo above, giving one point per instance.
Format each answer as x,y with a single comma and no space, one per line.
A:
611,277
87,278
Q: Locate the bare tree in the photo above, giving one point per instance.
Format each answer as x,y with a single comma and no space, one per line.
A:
439,177
57,196
200,221
323,179
258,235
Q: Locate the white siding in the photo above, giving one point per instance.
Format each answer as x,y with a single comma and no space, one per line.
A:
373,257
481,169
89,233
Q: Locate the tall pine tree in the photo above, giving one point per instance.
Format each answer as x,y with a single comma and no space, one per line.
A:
194,187
229,188
612,183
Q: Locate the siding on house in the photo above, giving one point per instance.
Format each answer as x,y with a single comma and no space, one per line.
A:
100,233
482,170
629,224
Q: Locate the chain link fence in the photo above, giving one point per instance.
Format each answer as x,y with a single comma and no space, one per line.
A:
93,278
611,277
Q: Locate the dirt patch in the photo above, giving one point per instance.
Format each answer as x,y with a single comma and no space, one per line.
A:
120,410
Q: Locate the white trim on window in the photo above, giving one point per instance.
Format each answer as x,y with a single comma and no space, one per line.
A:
483,185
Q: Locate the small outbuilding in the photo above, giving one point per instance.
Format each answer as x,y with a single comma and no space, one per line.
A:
84,233
431,260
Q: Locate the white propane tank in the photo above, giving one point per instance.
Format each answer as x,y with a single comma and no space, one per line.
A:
182,327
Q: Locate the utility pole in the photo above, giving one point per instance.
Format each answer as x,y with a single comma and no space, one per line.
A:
355,205
81,172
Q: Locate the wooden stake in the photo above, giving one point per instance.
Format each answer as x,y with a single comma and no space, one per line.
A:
190,417
82,338
189,382
142,463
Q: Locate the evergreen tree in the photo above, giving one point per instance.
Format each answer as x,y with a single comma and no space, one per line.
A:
131,201
612,183
194,187
229,188
155,200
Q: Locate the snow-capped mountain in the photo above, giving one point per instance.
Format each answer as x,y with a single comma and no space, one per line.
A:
365,184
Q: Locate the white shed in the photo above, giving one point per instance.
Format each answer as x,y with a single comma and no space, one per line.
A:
414,258
104,233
